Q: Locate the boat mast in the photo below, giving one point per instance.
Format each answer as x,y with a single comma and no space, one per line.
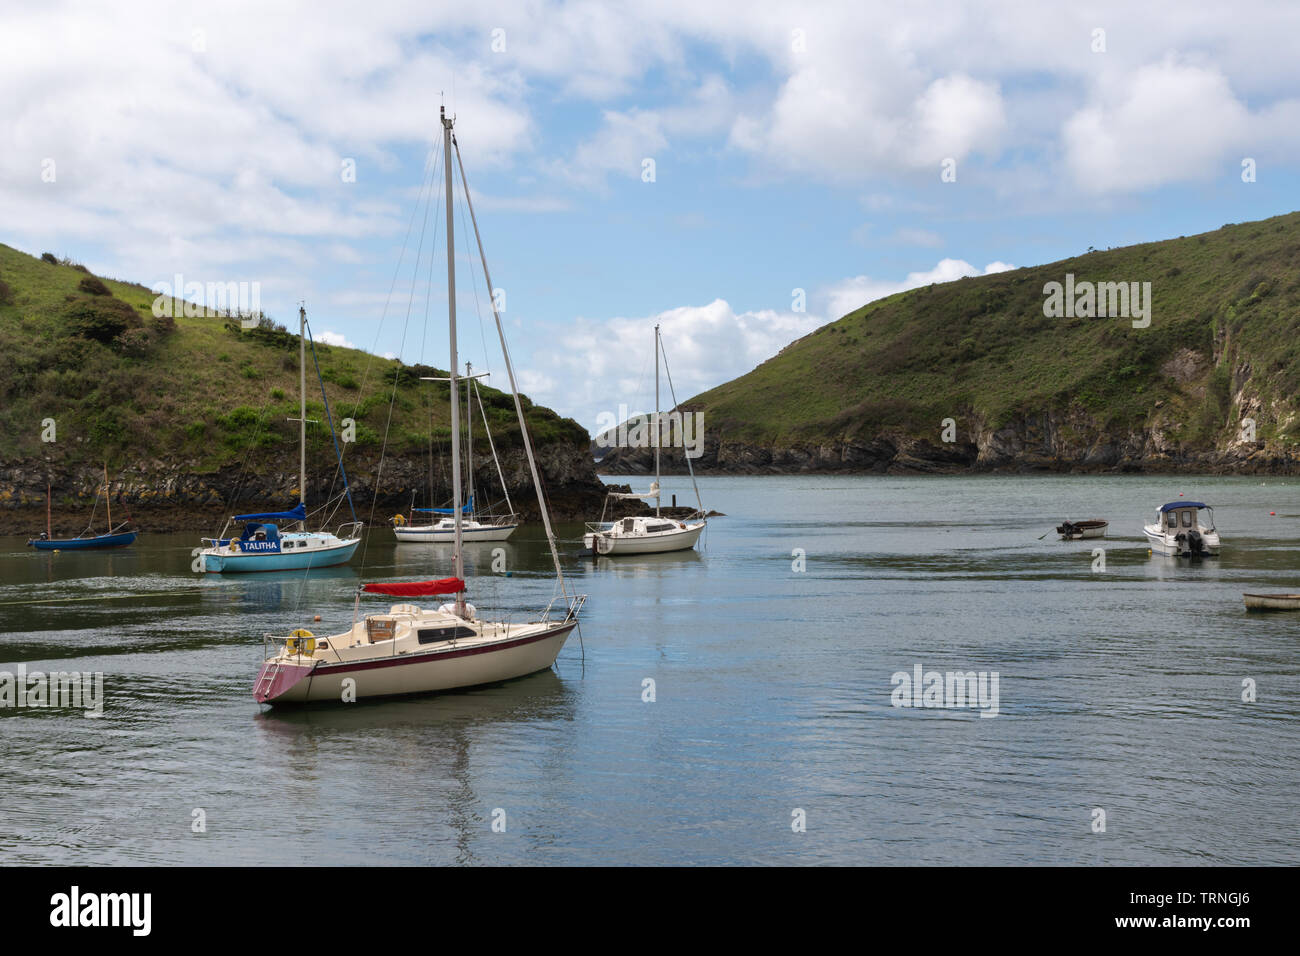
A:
458,558
302,410
107,501
658,497
49,528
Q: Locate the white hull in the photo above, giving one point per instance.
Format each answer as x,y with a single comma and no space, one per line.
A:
1163,542
658,543
522,650
432,534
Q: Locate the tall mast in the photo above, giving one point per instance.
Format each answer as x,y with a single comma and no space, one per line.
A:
458,558
108,502
658,497
469,433
302,411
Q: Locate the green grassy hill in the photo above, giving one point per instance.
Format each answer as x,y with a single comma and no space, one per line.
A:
872,389
200,393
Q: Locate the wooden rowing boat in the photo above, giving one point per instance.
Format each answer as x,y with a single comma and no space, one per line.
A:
1272,602
1074,530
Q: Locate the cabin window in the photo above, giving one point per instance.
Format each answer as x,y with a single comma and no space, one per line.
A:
1187,519
432,635
628,525
658,527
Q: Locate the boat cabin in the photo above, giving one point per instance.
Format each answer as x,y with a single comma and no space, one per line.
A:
643,526
1182,516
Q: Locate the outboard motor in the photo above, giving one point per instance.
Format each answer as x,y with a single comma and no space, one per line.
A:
1195,542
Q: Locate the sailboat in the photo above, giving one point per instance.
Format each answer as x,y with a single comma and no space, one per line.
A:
475,527
262,545
412,649
644,535
113,538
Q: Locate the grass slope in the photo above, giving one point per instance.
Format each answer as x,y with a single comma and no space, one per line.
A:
983,346
120,383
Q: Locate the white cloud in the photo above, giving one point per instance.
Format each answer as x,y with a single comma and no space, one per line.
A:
1165,123
845,296
334,338
909,236
599,364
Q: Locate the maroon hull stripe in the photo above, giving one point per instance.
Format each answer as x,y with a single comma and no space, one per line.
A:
324,668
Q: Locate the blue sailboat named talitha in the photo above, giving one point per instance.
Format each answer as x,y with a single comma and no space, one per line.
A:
262,545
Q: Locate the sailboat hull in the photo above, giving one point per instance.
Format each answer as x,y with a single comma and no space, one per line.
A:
84,544
608,544
449,668
434,535
221,561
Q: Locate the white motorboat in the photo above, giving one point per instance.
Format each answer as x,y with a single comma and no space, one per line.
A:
1178,530
411,649
647,535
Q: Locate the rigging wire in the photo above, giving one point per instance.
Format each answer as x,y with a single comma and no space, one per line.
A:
658,437
397,377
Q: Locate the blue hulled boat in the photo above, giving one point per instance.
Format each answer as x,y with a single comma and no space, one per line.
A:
262,545
120,540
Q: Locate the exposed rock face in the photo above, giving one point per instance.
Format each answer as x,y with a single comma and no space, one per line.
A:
1051,441
172,495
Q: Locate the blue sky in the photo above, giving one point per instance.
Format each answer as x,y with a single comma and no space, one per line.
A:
796,146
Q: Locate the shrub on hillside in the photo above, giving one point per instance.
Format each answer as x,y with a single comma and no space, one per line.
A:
101,319
134,343
50,257
6,293
93,286
162,325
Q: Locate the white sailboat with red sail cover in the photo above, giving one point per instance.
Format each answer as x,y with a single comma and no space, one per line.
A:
411,649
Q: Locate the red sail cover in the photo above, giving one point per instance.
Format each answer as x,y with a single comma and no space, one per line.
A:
418,588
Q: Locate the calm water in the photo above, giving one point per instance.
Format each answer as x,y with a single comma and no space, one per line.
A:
1119,690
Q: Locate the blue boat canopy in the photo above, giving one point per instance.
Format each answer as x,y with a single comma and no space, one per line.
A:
1183,504
469,507
297,514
